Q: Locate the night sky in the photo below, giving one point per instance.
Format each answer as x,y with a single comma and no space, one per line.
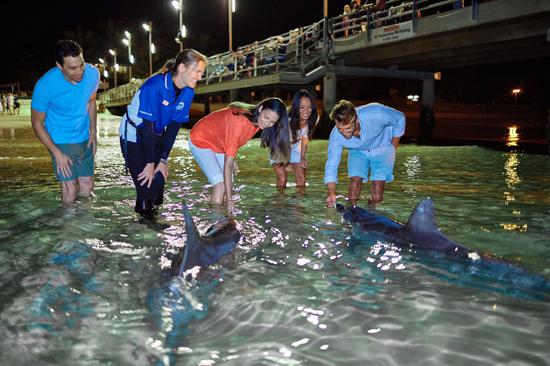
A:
30,32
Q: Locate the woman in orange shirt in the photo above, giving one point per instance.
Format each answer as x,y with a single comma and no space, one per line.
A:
215,139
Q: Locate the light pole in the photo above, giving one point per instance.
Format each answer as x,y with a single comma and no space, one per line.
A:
149,29
128,42
231,8
515,92
178,5
113,52
105,72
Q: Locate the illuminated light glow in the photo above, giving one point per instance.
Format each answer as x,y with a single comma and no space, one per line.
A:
153,48
146,27
514,227
112,52
301,342
474,256
285,352
303,261
176,4
400,266
324,347
373,331
101,60
512,138
125,41
233,6
322,326
128,35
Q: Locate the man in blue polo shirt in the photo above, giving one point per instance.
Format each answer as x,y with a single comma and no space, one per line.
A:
371,133
149,128
64,118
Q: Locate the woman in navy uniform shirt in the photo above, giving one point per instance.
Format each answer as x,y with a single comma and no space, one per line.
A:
150,126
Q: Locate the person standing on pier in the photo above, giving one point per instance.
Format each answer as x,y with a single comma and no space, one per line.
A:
64,118
149,128
303,119
371,133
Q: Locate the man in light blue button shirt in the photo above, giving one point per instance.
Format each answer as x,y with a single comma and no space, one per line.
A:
371,133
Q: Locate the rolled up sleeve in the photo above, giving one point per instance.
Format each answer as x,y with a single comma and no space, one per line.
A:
334,154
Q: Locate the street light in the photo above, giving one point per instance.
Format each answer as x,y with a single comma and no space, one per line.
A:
178,5
515,92
128,42
231,8
104,68
113,52
149,29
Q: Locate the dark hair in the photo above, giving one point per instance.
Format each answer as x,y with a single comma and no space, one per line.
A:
66,47
276,137
294,114
343,112
187,57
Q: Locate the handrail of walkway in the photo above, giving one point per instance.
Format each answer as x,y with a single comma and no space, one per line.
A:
286,51
301,50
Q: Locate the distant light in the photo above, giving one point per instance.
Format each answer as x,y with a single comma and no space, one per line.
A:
176,4
146,27
437,75
117,67
233,5
132,59
112,52
183,31
153,48
101,60
105,73
516,91
318,87
127,34
413,98
125,41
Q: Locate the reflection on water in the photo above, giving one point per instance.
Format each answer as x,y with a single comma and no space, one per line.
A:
87,287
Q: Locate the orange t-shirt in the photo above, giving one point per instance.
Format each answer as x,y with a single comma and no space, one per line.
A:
222,132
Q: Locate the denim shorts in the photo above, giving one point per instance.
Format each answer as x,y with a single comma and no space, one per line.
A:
295,154
82,157
378,162
211,163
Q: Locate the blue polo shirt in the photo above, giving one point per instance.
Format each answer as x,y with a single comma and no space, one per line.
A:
379,125
156,101
65,104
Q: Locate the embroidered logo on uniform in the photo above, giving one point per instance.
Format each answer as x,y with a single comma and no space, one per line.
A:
180,106
165,103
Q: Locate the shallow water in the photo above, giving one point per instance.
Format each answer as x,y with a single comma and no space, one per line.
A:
85,286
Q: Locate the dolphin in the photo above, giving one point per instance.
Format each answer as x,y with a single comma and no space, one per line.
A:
204,250
421,231
467,266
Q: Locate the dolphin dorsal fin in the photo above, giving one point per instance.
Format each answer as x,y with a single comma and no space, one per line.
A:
191,230
422,218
